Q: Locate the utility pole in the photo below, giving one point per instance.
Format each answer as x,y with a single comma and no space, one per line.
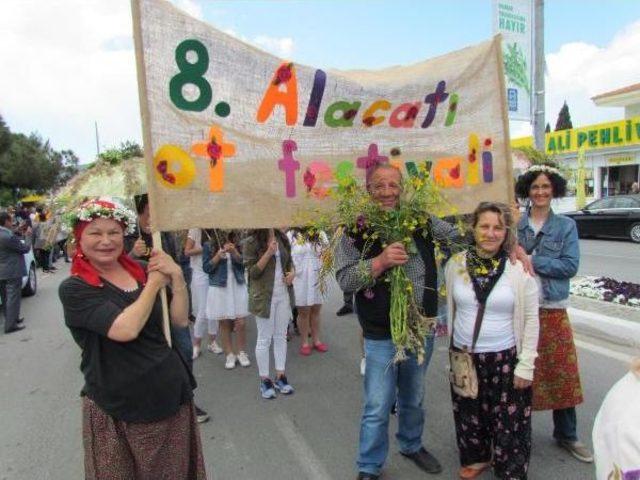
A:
538,79
97,140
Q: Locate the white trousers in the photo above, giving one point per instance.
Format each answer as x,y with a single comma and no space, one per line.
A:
199,290
274,327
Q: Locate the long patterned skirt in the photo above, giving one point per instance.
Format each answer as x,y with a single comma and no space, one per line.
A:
496,426
556,380
115,450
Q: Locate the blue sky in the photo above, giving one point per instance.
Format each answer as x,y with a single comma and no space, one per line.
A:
374,33
75,63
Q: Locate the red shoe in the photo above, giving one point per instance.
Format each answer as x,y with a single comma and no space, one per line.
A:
305,349
469,473
321,347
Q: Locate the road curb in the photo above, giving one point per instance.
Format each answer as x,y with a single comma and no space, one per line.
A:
612,329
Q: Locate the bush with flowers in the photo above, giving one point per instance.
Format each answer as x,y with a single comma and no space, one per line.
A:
607,289
357,214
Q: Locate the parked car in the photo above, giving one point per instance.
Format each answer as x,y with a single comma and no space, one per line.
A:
30,280
617,217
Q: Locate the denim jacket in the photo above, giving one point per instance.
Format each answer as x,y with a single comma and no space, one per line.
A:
556,257
218,272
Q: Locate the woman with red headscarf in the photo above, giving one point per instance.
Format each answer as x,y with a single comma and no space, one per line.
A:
138,412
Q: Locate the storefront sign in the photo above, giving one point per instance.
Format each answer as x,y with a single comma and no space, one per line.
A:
622,133
620,160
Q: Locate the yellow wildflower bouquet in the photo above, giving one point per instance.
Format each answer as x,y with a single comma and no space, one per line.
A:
357,214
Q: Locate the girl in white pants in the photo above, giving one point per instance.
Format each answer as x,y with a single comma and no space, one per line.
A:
199,290
267,258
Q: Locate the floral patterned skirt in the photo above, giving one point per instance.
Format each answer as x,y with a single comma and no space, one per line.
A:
495,427
117,450
556,380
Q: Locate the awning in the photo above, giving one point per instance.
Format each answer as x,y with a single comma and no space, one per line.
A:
33,199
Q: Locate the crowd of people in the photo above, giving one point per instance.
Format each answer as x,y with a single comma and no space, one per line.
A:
506,311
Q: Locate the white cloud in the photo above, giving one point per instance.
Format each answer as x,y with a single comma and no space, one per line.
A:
579,71
190,7
66,65
282,47
278,46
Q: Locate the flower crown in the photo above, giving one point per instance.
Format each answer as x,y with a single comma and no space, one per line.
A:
102,209
542,168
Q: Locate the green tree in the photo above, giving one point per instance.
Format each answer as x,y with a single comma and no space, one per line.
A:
126,150
536,157
547,129
27,164
66,162
564,118
5,136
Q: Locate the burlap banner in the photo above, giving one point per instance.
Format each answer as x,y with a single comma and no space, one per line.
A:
235,137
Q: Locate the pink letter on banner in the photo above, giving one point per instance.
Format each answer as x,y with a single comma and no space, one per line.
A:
371,160
289,165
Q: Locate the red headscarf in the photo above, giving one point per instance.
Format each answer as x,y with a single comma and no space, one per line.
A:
82,268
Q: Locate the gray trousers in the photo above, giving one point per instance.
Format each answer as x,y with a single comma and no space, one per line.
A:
10,295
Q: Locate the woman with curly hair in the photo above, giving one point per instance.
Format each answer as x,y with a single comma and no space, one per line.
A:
552,242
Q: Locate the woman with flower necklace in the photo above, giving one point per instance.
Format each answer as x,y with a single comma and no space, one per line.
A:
493,314
552,242
267,258
139,419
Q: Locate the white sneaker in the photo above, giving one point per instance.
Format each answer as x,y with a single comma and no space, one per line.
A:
213,347
243,358
363,366
231,361
196,352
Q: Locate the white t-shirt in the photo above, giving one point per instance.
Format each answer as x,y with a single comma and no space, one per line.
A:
195,234
496,331
279,287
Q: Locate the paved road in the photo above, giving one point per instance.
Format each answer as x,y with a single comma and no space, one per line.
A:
310,435
619,259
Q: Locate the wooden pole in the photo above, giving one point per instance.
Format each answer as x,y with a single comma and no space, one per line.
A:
148,151
497,45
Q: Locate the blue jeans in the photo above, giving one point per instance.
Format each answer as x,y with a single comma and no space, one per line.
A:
564,424
382,379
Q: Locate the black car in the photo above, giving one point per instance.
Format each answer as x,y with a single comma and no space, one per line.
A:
617,216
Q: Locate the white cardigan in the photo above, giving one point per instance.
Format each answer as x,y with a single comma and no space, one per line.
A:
526,324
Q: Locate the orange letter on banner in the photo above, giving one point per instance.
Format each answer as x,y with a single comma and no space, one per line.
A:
284,75
216,150
369,119
447,174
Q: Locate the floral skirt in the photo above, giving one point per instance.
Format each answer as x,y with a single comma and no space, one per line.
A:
495,427
117,450
556,380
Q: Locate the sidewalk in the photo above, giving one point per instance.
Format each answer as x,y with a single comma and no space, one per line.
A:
604,320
